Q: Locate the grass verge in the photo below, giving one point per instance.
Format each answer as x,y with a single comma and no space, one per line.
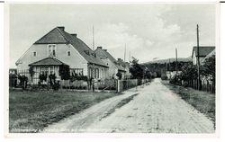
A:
202,101
32,111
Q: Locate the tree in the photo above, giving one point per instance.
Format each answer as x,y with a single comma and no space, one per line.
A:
43,77
31,71
64,72
136,70
189,72
119,75
23,81
52,78
209,69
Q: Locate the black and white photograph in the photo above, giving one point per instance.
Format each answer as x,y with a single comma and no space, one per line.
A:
112,68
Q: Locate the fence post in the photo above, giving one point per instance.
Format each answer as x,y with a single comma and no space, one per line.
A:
118,86
136,84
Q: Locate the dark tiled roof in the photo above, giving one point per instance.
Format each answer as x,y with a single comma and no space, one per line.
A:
102,53
203,50
59,35
213,53
53,37
49,61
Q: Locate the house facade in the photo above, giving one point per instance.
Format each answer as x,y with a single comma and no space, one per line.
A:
111,62
203,52
58,48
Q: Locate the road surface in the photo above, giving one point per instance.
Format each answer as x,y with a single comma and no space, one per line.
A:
156,109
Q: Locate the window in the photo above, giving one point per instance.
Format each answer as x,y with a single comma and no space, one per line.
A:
35,54
52,49
68,53
53,52
52,71
90,72
97,73
76,71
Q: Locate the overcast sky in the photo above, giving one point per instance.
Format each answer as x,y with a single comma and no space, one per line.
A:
149,31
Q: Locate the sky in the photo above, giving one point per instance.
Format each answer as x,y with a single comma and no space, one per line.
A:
150,31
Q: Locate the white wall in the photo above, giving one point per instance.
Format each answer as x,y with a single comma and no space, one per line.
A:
112,68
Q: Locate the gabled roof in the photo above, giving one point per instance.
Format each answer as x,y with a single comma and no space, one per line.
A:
203,50
58,35
213,53
55,36
49,61
103,54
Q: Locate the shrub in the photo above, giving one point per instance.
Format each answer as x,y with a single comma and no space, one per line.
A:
43,77
56,86
64,71
119,75
23,81
52,78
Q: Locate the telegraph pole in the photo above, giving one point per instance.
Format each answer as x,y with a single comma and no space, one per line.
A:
124,53
169,69
198,63
93,31
176,62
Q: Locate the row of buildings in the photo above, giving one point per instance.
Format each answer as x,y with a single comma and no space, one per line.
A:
59,47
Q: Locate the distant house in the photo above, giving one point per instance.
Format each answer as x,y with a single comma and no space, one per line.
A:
111,62
126,66
57,48
213,53
203,52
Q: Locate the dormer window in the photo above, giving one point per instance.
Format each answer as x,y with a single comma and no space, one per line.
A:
51,49
35,54
68,53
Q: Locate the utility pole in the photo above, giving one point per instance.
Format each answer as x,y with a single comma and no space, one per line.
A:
93,31
124,54
176,63
198,63
169,69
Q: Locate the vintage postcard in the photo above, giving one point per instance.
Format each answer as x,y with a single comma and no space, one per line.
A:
112,68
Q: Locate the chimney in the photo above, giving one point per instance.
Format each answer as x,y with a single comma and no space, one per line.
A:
99,47
74,35
105,49
119,59
61,28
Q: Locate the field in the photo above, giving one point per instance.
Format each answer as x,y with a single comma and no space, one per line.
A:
32,111
202,101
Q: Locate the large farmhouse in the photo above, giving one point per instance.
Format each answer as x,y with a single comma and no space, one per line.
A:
57,48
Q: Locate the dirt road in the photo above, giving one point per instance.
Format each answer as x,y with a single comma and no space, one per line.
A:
156,109
81,121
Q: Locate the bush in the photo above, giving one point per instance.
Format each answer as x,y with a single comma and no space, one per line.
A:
119,75
23,81
43,77
56,86
64,71
164,77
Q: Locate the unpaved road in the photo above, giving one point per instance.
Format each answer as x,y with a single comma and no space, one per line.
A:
81,121
156,109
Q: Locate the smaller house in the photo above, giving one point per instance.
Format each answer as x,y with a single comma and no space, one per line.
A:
126,66
213,53
203,52
111,62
